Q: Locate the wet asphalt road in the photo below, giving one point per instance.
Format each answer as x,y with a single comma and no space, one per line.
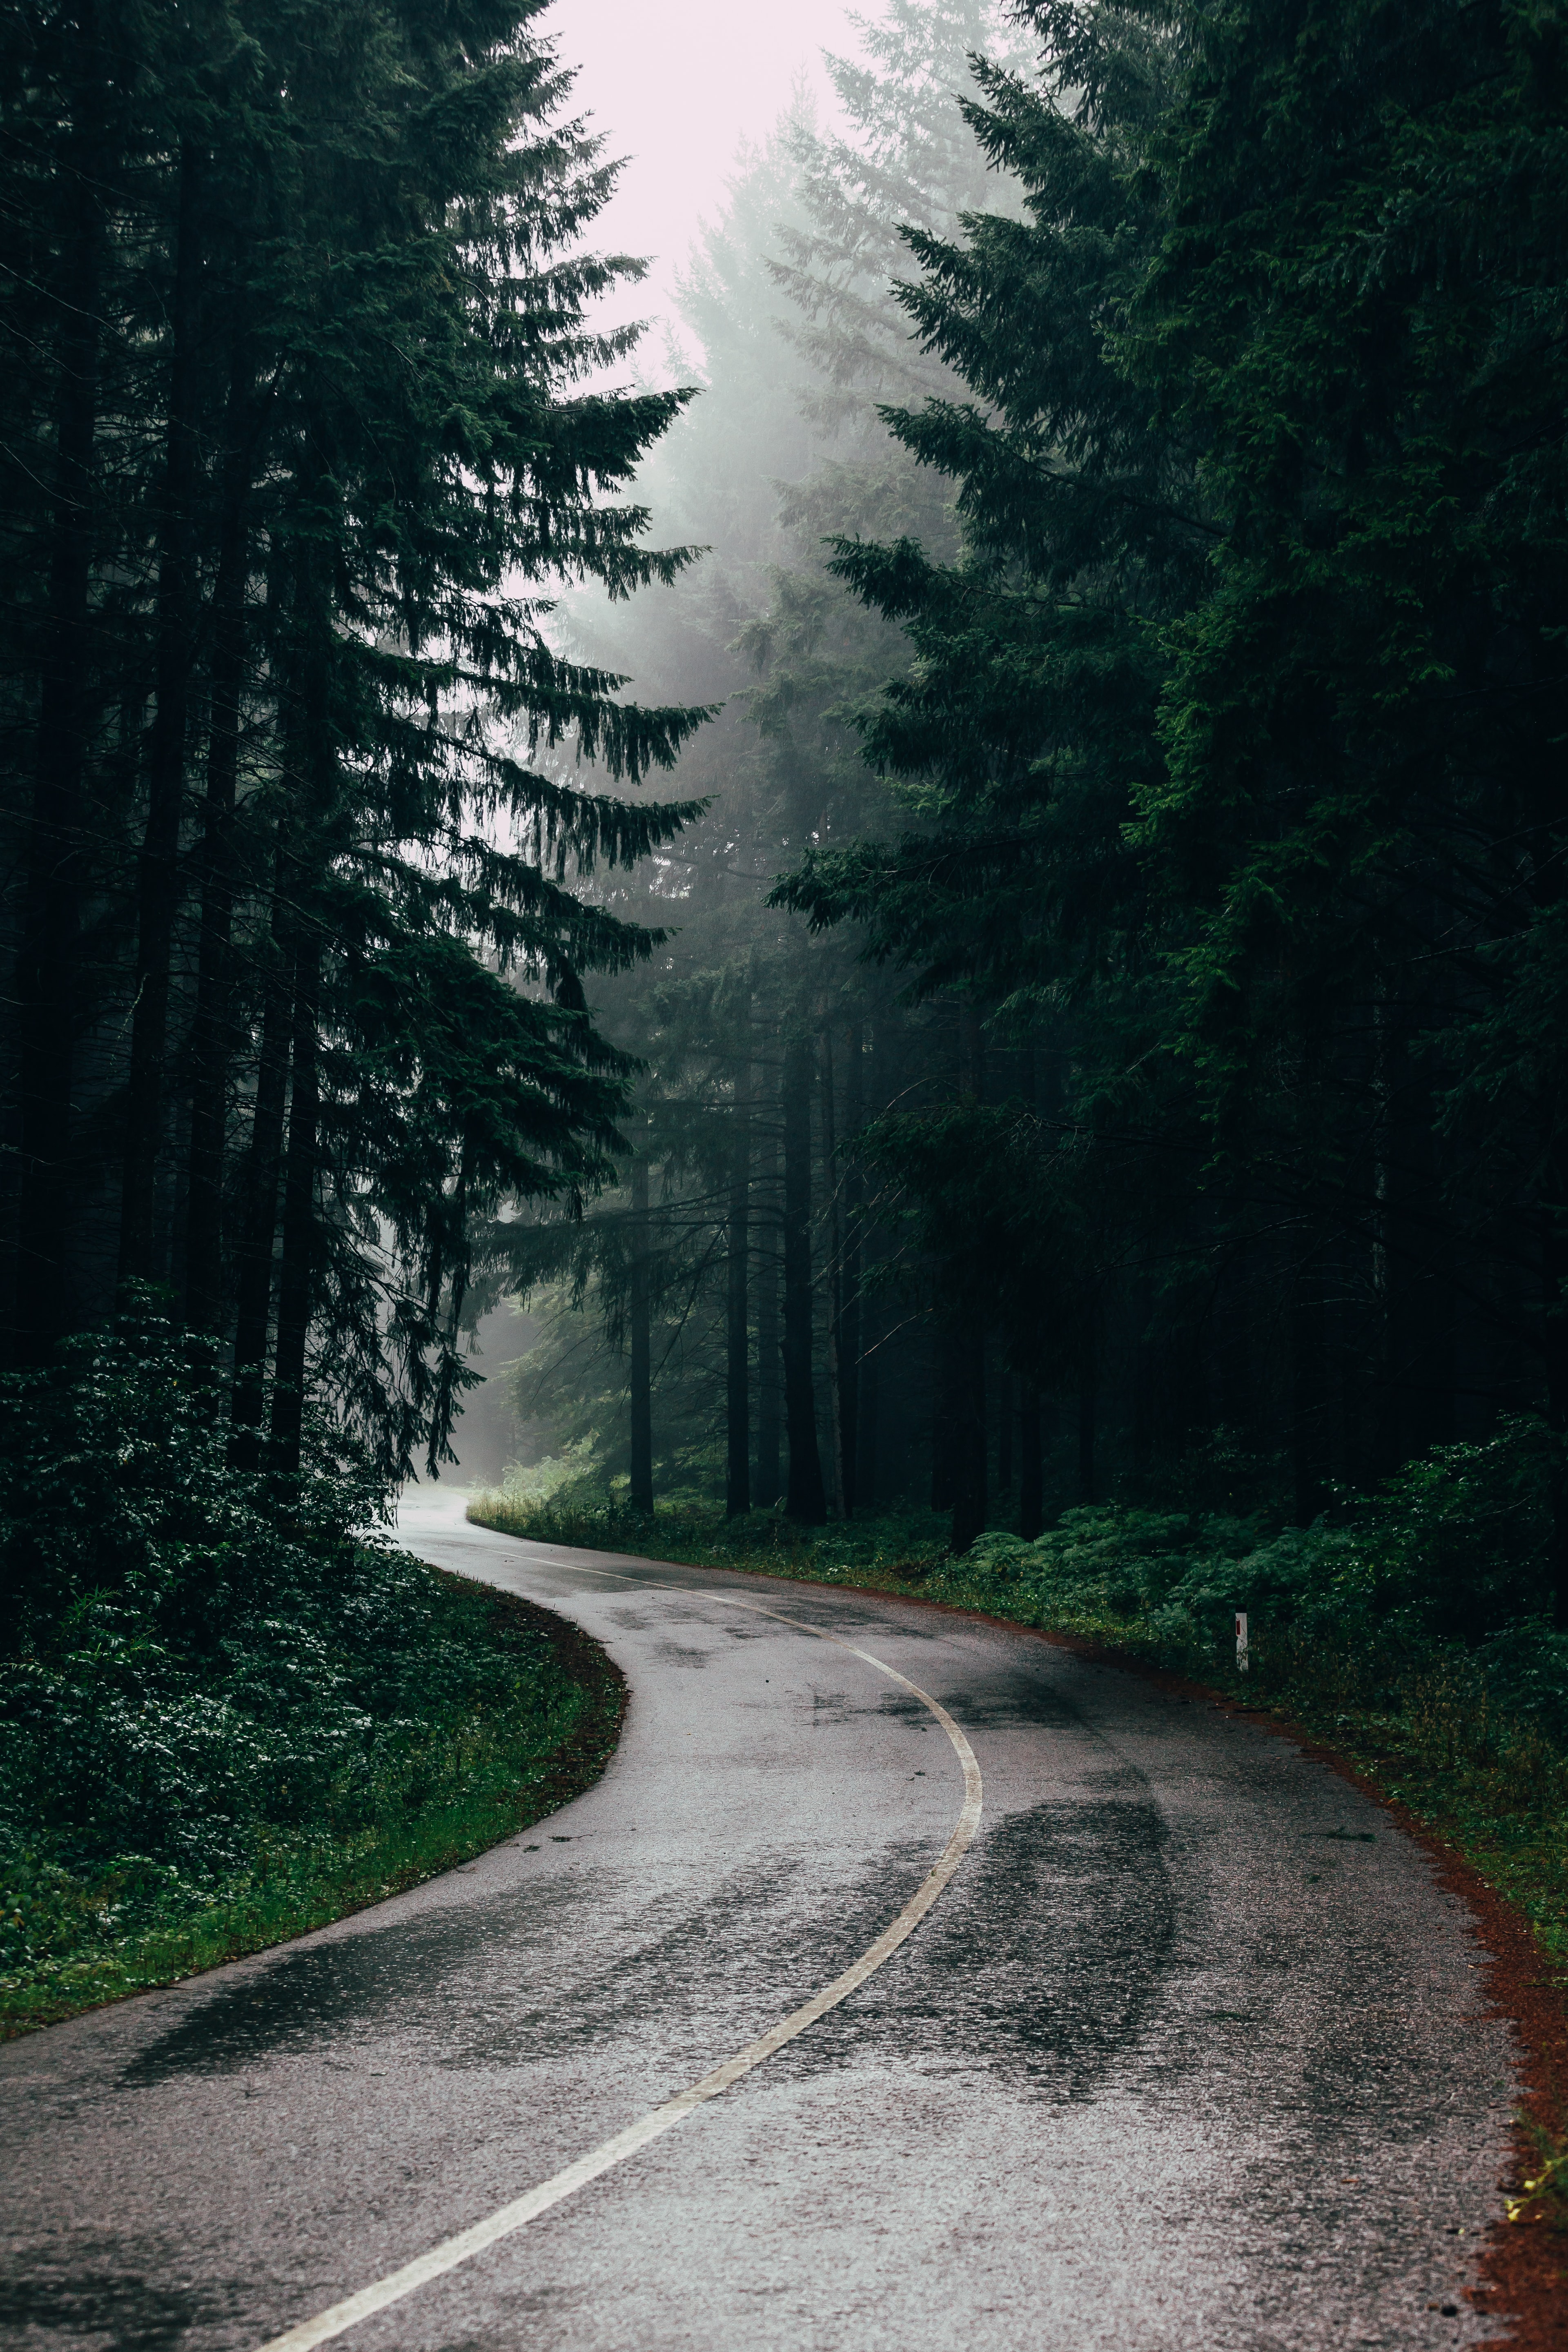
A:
1190,2053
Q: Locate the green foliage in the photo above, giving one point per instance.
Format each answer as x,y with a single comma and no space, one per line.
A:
1229,751
321,304
221,1692
1455,1547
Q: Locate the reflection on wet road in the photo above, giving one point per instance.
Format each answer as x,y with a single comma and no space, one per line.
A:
1188,2054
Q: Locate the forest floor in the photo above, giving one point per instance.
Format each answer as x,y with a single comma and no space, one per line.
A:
1506,1829
447,1786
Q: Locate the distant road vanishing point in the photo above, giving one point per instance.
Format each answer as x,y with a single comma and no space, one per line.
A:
907,1984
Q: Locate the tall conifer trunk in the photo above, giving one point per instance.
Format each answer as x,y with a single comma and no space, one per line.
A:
1553,1216
45,981
1031,1483
838,1501
944,1378
966,1339
211,1036
737,1337
157,876
868,1480
768,1485
969,1463
1088,1437
850,1337
1308,1387
296,1271
806,1501
641,1335
263,1164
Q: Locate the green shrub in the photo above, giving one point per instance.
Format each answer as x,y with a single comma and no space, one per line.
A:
214,1682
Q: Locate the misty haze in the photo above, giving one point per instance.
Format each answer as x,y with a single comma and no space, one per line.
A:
785,1174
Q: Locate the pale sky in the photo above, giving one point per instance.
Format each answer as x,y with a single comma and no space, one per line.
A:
677,85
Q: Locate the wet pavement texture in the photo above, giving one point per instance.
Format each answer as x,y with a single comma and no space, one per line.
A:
1191,2053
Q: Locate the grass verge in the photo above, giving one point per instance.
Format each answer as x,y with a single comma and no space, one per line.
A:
443,1791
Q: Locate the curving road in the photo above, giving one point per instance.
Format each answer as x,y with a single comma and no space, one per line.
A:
1186,2051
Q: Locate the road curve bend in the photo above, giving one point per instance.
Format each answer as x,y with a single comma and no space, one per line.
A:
1177,2043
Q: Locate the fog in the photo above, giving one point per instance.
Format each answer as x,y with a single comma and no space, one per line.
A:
676,90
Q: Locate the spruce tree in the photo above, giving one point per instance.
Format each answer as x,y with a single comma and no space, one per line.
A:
343,301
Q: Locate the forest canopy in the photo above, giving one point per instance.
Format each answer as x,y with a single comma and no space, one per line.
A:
1085,1017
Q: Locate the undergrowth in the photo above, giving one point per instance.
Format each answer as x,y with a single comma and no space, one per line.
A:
229,1713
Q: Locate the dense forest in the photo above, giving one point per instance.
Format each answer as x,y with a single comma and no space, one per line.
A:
1108,1041
968,905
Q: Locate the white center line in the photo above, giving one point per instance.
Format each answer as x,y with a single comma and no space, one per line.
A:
506,2219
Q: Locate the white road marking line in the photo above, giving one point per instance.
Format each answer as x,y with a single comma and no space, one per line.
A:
501,2223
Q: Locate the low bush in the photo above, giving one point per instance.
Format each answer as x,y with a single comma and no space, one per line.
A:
225,1697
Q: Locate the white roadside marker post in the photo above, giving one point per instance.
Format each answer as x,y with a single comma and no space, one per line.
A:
1241,1641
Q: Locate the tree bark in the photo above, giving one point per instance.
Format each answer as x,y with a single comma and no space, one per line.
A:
641,1495
850,1338
157,873
262,1166
1309,1391
211,1036
46,979
944,1382
966,1373
968,1426
1087,1418
868,1483
769,1482
297,1274
737,1337
837,1497
1554,1341
806,1500
1031,1483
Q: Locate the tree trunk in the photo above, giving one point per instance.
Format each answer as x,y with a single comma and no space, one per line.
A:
641,1495
1006,1413
46,977
297,1275
1309,1389
850,1342
1555,1340
1088,1417
968,1426
966,1378
263,1163
868,1482
769,1483
211,1036
1031,1485
737,1337
158,873
944,1384
806,1500
838,1499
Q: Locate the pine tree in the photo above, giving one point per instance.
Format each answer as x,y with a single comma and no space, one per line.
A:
355,316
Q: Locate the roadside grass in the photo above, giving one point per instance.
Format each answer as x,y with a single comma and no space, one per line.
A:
1543,2191
1464,1740
532,1723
